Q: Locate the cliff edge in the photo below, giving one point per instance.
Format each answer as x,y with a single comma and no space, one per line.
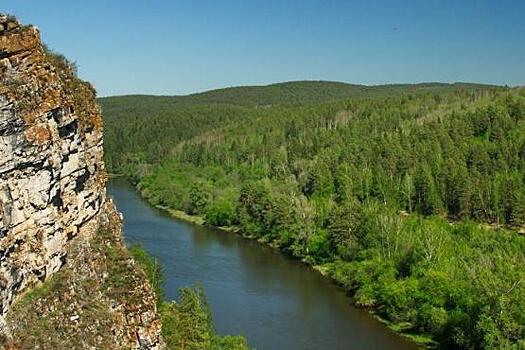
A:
61,248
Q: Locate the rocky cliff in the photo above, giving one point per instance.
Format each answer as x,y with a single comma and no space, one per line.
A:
53,204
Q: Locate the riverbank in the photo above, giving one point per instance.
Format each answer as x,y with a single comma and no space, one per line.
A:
398,328
251,288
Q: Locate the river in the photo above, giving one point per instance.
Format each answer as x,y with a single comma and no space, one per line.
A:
274,301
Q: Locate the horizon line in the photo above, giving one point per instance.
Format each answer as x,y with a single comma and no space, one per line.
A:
312,81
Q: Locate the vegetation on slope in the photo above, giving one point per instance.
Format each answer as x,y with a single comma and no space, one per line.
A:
409,198
75,307
296,93
186,324
141,130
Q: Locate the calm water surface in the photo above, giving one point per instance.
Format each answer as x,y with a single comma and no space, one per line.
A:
276,302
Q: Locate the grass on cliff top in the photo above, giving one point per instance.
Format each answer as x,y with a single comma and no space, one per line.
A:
41,319
188,323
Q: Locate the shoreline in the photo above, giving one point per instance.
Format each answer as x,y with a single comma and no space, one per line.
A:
420,340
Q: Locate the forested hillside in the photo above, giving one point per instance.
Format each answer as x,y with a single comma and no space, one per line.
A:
143,129
411,196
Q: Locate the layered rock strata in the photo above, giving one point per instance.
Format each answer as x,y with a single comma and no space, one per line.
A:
52,177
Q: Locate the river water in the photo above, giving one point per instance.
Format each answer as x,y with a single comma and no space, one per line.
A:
274,301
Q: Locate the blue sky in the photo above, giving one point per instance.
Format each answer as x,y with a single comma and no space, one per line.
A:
184,46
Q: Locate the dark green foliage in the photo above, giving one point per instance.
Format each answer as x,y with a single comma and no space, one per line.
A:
513,199
390,189
426,198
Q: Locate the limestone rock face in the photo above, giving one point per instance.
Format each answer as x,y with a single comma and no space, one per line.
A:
52,177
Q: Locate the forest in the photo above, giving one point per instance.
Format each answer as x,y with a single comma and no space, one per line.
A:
412,197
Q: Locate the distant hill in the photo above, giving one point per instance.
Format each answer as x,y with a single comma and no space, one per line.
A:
302,92
296,93
143,128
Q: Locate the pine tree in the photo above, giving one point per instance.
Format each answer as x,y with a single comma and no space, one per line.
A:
513,200
426,197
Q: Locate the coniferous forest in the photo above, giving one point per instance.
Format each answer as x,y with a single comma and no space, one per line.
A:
410,196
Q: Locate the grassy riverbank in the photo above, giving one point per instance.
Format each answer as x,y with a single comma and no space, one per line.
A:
400,328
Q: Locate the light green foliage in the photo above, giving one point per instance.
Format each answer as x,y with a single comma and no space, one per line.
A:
319,246
221,212
389,188
199,198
